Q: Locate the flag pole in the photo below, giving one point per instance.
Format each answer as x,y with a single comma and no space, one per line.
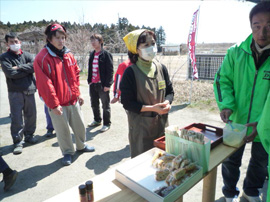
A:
190,92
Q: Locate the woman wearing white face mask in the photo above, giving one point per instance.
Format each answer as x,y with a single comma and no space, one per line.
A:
147,92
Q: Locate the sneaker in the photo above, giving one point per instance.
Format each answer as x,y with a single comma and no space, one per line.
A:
104,128
31,139
18,148
87,148
234,199
49,133
94,123
10,180
252,198
66,161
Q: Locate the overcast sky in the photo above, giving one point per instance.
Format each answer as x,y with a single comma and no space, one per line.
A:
219,21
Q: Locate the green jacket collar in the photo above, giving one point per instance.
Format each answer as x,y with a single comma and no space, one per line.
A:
246,45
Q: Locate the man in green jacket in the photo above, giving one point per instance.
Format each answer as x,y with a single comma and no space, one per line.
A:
241,87
264,131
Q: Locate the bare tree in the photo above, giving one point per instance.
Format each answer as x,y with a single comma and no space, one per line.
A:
79,43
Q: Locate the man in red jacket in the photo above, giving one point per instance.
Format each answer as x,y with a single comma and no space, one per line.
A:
57,75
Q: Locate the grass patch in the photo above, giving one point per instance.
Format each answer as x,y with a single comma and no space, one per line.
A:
202,97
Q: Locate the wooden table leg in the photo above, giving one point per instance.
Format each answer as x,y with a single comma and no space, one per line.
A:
209,186
180,199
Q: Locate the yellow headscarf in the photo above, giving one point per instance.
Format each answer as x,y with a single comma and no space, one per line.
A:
131,40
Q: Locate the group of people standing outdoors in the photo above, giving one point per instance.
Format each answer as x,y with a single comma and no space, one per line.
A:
55,74
241,89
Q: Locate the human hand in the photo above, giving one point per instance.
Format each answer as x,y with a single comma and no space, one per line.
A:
15,67
81,100
58,110
114,100
106,89
162,108
253,134
167,105
225,114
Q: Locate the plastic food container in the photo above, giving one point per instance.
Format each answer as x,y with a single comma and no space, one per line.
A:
211,132
234,134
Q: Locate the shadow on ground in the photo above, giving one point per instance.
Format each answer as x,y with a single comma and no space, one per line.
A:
101,163
175,108
5,120
90,135
9,148
30,177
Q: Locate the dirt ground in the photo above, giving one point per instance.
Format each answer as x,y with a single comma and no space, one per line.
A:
41,174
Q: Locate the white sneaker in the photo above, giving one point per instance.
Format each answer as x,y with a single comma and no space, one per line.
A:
252,198
234,199
104,128
94,123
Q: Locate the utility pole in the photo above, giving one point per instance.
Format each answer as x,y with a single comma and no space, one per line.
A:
118,22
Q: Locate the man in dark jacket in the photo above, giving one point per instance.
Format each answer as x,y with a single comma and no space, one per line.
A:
21,84
100,79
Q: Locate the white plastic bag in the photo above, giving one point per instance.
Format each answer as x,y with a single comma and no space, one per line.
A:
234,136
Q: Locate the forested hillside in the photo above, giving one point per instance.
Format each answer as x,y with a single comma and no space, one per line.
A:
79,33
33,39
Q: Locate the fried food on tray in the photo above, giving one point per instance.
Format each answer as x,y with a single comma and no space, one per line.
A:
162,174
174,170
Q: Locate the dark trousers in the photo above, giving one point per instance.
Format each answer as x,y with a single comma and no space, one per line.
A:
48,119
23,115
256,172
3,165
96,93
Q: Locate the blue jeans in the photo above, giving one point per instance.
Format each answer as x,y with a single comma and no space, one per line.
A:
48,119
3,165
256,172
96,93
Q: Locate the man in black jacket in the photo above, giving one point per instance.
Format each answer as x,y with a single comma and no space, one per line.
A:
100,79
21,84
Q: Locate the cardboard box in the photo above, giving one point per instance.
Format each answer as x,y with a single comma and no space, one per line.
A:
139,175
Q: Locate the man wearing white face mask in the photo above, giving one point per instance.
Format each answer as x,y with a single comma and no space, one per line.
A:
146,92
21,83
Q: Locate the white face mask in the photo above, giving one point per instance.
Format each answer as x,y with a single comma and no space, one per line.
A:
149,53
15,47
